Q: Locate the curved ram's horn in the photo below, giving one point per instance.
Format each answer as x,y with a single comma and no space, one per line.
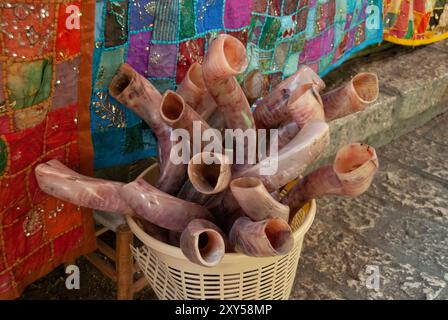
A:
305,105
57,180
203,243
264,238
351,175
226,58
272,109
193,90
209,178
161,208
293,159
140,96
255,86
351,97
256,201
177,115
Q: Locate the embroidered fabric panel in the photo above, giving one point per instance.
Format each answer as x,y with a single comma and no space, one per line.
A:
161,39
123,32
415,22
39,63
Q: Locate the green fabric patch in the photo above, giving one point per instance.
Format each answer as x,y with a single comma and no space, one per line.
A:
111,60
269,33
325,61
265,59
298,43
280,55
166,20
3,157
410,32
133,139
162,84
187,19
291,64
29,83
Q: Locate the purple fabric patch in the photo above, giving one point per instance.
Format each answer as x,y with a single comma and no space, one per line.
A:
351,37
66,86
138,52
349,21
162,60
328,37
317,47
313,48
237,13
362,15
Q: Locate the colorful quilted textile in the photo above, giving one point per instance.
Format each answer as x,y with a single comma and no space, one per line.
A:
161,39
415,22
41,115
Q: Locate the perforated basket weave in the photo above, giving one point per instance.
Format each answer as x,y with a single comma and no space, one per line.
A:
174,277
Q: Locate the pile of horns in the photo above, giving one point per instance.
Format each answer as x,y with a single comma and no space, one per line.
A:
210,209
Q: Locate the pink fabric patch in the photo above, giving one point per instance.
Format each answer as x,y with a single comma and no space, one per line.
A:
237,13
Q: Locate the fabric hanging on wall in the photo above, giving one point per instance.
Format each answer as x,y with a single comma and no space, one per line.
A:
415,22
161,39
42,117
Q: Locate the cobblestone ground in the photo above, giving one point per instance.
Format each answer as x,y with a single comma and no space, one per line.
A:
399,227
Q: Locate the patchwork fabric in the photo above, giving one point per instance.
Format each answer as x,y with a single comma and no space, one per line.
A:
415,22
40,63
123,33
161,39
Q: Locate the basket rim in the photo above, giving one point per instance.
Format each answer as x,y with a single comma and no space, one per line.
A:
176,252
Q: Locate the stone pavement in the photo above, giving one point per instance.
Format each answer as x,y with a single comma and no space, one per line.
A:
400,225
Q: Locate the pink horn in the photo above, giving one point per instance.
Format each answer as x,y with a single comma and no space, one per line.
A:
350,175
351,97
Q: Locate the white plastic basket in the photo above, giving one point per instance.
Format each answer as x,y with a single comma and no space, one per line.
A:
174,277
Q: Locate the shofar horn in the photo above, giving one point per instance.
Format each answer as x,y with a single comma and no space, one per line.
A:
161,208
226,58
351,97
255,86
174,238
286,132
302,76
206,177
272,110
177,115
350,175
193,90
305,105
209,172
256,201
140,96
264,238
154,231
293,159
202,242
57,180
